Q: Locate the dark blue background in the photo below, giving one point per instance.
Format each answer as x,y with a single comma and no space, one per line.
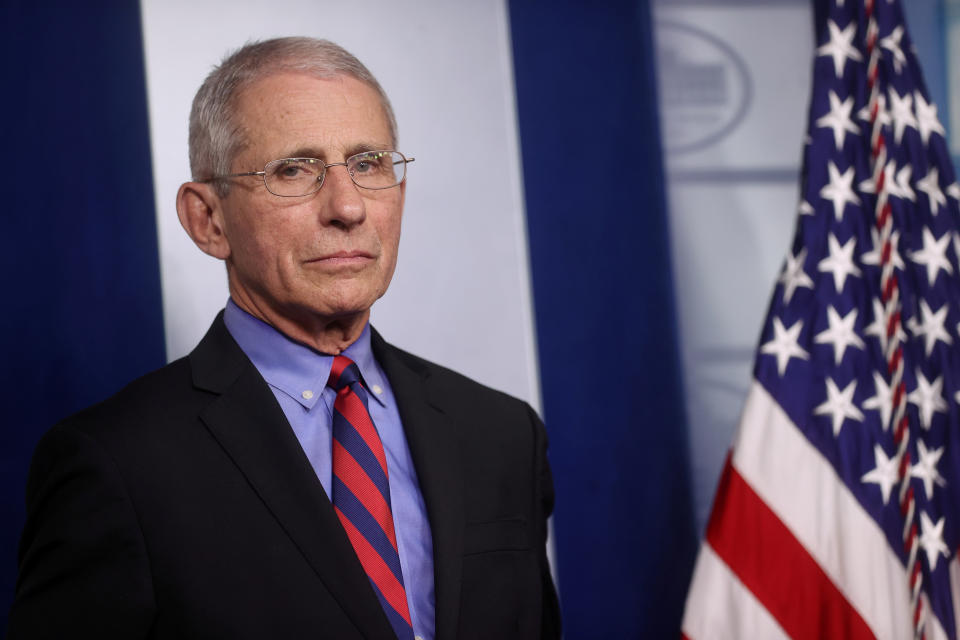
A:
81,311
606,327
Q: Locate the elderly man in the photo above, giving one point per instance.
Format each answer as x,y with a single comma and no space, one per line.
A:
295,476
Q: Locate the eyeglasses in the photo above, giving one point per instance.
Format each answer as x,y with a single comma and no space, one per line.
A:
292,177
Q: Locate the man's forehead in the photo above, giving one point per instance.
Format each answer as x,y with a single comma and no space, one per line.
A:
302,115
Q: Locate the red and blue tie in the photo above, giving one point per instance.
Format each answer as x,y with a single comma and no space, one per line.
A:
361,493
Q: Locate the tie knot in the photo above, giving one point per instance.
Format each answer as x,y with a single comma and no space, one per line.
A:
343,373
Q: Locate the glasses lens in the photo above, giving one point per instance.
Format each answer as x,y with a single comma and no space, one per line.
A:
377,169
293,176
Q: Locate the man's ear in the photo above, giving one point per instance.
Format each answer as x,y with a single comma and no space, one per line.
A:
200,210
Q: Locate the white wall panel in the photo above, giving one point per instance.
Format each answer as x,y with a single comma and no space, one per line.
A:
734,89
461,294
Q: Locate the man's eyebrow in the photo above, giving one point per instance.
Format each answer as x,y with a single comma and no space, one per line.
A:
306,152
314,152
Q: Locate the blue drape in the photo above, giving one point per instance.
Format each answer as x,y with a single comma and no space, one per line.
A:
604,306
81,309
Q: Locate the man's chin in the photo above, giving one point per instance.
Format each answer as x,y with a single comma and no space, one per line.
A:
348,309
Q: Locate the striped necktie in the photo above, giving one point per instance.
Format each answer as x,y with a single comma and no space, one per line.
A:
361,493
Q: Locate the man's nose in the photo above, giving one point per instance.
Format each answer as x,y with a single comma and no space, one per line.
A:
343,204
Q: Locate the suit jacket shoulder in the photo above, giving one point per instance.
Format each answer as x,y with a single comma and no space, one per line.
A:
449,388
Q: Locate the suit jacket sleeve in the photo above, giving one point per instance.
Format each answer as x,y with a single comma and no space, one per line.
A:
83,569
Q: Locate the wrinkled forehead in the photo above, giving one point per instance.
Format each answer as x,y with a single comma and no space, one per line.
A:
287,113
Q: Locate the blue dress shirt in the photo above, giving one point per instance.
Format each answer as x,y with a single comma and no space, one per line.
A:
297,375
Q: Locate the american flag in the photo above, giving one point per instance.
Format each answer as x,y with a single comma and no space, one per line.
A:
838,511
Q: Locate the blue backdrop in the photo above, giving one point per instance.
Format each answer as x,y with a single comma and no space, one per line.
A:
80,279
603,298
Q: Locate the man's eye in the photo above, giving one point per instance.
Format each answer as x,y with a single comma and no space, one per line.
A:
294,170
368,163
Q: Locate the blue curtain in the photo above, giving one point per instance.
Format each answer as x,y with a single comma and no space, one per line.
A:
604,305
81,310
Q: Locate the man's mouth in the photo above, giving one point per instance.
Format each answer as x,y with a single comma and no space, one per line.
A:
343,258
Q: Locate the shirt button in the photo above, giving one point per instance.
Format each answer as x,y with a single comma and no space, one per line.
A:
377,389
307,394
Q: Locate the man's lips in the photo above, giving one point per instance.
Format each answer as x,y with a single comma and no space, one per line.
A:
343,258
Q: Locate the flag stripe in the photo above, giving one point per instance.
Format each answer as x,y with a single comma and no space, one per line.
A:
934,630
720,607
749,537
777,461
955,589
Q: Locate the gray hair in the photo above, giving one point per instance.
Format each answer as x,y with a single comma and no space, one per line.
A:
216,136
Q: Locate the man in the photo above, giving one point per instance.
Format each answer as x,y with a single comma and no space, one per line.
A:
295,476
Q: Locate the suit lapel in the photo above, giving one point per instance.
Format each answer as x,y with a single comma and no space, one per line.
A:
431,436
249,424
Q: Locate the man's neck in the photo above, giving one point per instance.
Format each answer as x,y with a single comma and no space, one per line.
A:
326,335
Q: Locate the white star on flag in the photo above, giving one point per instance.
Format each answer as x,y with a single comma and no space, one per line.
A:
874,256
930,185
933,255
838,119
931,539
839,405
926,468
902,107
892,44
928,396
840,261
927,121
881,400
954,191
840,46
840,189
898,182
794,276
840,334
784,344
931,326
805,209
884,473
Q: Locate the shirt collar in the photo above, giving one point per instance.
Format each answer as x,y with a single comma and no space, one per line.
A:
292,367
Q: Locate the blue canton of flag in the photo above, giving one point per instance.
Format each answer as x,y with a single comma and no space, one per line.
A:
838,512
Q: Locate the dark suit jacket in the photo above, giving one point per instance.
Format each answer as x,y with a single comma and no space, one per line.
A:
184,507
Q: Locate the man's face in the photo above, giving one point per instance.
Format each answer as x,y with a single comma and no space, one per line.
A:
319,257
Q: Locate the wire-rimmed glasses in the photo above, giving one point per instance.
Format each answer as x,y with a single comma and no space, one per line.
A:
293,177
